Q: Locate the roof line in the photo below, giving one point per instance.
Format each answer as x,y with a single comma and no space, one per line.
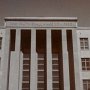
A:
40,19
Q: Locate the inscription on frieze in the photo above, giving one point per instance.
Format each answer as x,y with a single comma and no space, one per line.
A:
40,24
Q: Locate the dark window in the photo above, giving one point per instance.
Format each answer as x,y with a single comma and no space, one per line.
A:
84,45
85,63
86,84
0,42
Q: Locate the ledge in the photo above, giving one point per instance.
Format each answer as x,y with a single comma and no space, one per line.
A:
40,19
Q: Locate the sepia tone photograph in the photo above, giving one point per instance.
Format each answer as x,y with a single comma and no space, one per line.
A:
44,44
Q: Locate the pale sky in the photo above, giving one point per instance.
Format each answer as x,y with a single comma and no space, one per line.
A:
46,8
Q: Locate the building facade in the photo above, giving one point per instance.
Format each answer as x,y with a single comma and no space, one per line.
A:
44,53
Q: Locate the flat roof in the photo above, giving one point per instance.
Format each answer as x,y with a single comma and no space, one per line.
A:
40,19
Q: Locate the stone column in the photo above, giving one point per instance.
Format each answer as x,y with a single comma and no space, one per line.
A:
5,58
18,40
15,63
76,61
49,59
18,53
33,71
21,71
65,61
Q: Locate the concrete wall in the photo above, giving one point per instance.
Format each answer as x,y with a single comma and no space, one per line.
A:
2,34
83,33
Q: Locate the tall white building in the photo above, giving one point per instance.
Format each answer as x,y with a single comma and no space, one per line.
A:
44,53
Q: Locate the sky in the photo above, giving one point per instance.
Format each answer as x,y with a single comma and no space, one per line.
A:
46,8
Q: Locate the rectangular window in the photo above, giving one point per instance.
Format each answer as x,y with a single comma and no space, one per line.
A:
12,39
55,71
41,72
0,42
84,44
85,63
26,72
86,84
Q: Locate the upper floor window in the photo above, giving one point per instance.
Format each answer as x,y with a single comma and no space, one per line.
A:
0,42
85,63
84,44
86,84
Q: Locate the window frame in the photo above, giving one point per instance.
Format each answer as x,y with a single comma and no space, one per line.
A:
84,43
86,84
85,64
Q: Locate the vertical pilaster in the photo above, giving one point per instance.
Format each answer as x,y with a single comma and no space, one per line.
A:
15,63
49,59
33,71
65,61
18,53
18,40
76,61
21,71
5,59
